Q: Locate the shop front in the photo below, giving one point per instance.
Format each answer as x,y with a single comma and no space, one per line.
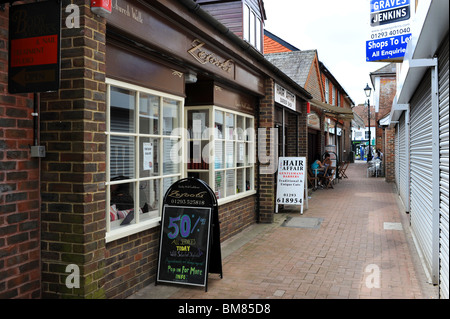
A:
141,113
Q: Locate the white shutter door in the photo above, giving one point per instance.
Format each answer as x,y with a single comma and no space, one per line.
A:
403,171
444,169
397,158
421,167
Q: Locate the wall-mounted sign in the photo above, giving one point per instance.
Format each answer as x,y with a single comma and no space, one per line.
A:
390,30
203,56
314,121
284,97
34,47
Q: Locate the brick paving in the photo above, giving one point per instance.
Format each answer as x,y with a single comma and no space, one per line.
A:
338,260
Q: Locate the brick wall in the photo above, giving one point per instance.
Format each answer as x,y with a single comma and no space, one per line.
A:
389,155
266,177
19,188
73,172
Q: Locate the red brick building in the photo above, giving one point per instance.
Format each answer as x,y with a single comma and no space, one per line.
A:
124,90
329,120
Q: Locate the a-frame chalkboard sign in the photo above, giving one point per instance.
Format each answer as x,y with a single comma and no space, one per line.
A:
189,246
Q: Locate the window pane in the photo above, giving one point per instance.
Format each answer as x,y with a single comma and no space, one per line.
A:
241,156
167,182
149,161
122,103
149,199
121,211
229,151
171,110
252,28
198,124
219,154
246,23
231,189
218,125
229,124
258,34
149,114
249,179
218,184
240,181
172,156
122,156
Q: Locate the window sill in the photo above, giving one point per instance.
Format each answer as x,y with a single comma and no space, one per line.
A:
128,230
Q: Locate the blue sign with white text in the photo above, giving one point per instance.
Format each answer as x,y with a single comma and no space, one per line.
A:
381,5
387,48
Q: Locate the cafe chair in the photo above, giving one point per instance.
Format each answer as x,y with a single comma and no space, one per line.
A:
329,179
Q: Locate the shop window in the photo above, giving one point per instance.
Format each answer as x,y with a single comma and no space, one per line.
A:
220,150
142,153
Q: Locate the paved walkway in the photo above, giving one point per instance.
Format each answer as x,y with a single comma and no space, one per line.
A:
351,243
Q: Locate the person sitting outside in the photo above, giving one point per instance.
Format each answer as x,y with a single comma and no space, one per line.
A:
318,168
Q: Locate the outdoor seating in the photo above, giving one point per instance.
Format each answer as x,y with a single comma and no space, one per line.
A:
374,168
312,179
342,168
329,178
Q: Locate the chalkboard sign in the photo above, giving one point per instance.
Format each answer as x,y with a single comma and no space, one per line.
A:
190,234
184,245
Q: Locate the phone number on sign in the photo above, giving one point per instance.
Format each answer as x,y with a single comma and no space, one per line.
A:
385,34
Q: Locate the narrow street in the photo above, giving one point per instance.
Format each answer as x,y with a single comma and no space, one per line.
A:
352,243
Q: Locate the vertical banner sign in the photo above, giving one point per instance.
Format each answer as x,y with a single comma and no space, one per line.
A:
190,235
34,47
291,181
390,30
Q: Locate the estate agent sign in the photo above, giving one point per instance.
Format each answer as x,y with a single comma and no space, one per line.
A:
390,30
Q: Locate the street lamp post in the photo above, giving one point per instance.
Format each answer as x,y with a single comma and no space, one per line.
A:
368,91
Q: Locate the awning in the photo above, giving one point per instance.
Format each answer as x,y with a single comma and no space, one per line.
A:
339,112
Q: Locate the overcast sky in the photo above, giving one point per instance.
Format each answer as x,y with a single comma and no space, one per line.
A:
338,30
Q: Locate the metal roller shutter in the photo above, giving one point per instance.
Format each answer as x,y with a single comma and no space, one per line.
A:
444,169
403,165
421,167
397,158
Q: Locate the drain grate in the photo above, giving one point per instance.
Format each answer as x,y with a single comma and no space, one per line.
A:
303,222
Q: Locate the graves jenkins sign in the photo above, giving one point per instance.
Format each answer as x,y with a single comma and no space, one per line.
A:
390,30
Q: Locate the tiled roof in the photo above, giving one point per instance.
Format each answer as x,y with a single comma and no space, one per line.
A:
296,64
272,46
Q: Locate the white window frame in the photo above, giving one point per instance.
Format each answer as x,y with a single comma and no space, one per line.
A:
139,226
212,139
327,91
252,27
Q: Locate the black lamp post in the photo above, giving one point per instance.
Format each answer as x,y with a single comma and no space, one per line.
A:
368,91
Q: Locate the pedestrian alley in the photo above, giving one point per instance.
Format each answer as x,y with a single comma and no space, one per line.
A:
352,243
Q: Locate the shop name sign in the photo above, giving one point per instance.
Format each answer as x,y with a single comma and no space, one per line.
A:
34,47
284,97
128,11
203,56
390,30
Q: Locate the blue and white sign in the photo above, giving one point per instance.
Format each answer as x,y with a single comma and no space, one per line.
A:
390,30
